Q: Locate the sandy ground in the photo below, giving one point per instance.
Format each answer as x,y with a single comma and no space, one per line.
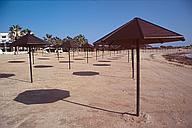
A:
63,98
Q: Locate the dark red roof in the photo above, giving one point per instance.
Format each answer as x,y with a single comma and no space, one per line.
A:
70,44
87,45
142,31
29,40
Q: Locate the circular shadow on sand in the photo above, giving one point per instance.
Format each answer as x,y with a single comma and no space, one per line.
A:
101,64
112,58
79,59
104,61
60,57
117,57
43,58
16,61
6,75
85,73
65,61
43,66
88,57
42,96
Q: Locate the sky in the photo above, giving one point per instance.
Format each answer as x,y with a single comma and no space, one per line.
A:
94,18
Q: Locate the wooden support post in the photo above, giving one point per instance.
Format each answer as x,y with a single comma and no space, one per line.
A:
132,57
102,53
58,54
128,55
69,59
87,55
96,53
138,79
15,51
33,50
30,65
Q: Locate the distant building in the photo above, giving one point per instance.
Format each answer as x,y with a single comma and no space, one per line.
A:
4,37
4,41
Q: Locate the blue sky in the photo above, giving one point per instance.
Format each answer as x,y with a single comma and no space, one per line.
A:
94,18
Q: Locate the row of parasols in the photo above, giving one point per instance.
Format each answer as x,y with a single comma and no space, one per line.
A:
135,34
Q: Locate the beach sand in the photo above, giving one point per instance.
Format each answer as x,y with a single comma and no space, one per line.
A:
78,99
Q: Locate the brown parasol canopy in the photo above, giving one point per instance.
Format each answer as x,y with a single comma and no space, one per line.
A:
68,45
29,41
142,30
86,47
136,33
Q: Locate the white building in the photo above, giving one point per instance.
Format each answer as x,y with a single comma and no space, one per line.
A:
4,37
4,40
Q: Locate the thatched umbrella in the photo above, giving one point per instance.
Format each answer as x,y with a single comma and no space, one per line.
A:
132,47
137,32
57,46
115,46
97,47
87,46
101,47
68,45
29,41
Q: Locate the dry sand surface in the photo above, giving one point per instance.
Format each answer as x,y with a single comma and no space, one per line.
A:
78,98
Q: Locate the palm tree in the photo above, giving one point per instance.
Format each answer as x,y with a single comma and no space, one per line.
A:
80,39
14,32
49,39
26,31
68,38
66,41
56,41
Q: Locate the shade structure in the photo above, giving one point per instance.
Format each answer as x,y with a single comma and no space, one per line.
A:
86,47
57,46
69,44
136,33
101,47
29,41
142,30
